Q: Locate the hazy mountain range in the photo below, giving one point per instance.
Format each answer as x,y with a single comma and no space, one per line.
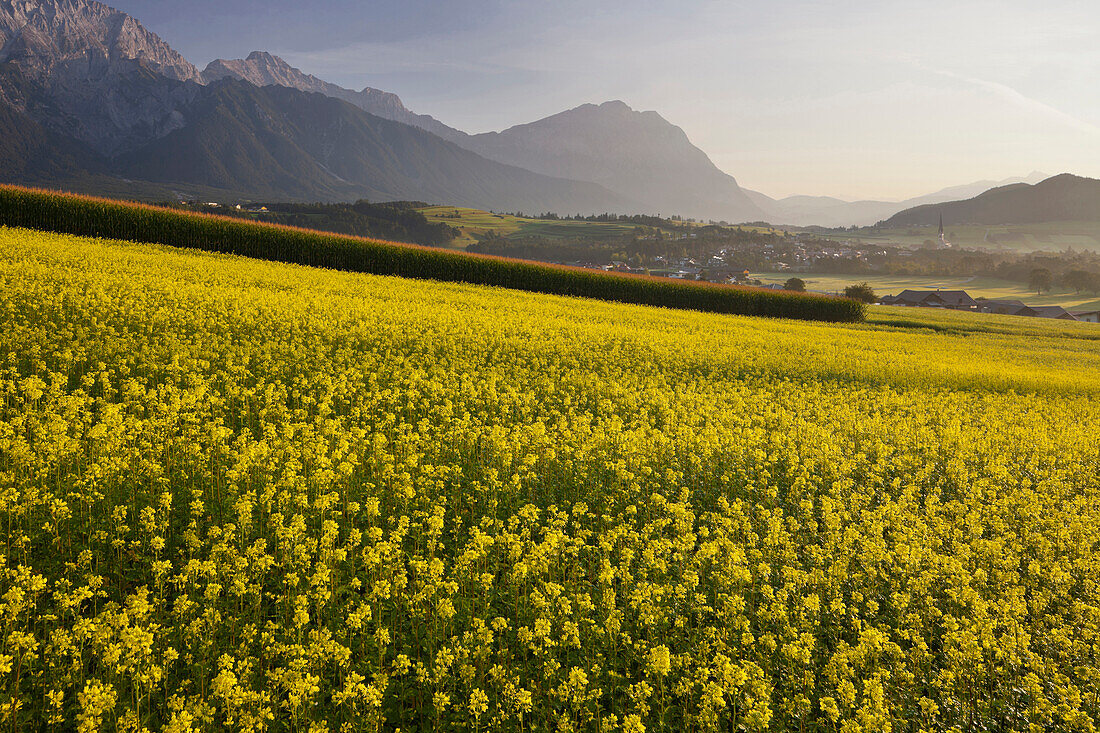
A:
278,143
263,69
1060,198
827,211
637,154
90,99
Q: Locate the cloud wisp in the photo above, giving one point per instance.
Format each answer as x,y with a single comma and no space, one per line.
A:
1021,100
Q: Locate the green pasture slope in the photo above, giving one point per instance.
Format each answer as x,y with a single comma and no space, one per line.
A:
474,223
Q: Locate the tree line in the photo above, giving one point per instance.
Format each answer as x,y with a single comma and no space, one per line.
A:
397,221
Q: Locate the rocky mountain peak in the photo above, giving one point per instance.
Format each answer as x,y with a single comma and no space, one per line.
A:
637,153
262,69
91,72
44,35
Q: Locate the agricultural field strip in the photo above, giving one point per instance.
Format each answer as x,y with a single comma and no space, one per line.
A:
260,495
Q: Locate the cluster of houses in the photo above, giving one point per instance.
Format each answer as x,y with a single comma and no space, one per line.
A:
251,208
960,300
726,265
802,257
714,268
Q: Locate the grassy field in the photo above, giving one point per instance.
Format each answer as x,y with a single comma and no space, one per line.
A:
1050,236
976,286
248,495
474,222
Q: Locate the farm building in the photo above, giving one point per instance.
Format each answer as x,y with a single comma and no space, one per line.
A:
1006,308
961,300
1053,311
953,299
1087,316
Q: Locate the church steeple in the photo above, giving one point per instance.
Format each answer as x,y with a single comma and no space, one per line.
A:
941,227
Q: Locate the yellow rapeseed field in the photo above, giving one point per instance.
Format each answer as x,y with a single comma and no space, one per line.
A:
244,496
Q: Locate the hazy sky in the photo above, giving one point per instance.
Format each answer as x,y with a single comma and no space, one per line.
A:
854,99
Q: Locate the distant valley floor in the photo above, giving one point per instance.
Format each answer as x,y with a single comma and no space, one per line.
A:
978,287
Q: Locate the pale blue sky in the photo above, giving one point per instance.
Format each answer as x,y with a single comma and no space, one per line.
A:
854,99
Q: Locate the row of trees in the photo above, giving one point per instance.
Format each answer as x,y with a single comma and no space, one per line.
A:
397,221
641,219
863,292
1041,278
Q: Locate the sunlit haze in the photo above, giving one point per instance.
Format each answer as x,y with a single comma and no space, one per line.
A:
882,99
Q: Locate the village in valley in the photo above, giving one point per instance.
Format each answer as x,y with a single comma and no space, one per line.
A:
745,263
924,275
812,256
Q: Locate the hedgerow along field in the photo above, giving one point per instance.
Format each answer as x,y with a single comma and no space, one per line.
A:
83,215
239,495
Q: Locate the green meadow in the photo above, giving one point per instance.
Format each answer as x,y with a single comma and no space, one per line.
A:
475,223
978,287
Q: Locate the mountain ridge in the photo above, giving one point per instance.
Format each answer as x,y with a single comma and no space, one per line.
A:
84,30
86,90
308,146
561,155
829,211
1064,197
637,153
265,69
90,72
87,93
